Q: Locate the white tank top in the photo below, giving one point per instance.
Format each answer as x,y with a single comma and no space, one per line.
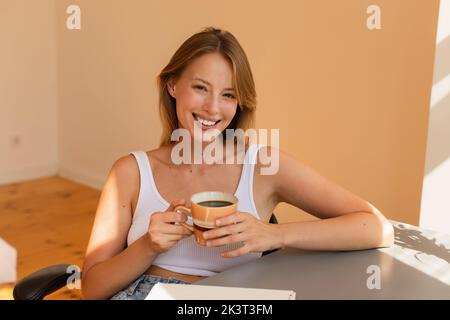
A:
187,256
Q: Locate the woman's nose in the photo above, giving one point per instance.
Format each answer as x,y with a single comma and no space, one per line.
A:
212,105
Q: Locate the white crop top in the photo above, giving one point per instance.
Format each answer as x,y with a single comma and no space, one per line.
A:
187,256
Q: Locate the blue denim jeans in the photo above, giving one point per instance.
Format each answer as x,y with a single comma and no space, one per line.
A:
140,288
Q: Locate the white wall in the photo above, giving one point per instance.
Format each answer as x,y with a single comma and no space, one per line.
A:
28,90
435,205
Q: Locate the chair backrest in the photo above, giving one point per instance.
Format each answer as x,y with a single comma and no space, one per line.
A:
273,220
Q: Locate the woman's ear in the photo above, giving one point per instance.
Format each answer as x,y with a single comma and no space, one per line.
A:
171,87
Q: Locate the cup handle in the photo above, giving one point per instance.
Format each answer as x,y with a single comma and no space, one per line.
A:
187,211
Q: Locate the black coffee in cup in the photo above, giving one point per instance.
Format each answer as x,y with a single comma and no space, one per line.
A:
215,203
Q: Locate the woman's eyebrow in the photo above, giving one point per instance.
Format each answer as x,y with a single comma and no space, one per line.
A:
204,81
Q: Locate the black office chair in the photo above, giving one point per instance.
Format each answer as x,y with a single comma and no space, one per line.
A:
41,283
273,220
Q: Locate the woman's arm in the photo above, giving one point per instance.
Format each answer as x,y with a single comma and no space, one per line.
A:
106,278
107,265
348,222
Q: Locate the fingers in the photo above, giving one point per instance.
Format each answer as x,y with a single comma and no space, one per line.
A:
233,218
168,222
236,253
232,238
167,238
174,229
165,229
190,227
183,209
171,217
173,204
224,231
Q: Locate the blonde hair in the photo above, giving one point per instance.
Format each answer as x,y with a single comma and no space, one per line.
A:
209,40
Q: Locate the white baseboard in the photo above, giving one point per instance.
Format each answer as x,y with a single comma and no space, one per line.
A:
22,174
80,176
27,173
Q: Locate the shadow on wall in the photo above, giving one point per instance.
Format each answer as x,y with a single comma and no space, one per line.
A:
414,239
438,150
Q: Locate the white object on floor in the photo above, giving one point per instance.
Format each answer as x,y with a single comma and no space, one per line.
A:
174,291
8,263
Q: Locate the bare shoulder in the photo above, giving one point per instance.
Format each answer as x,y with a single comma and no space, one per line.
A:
278,161
284,168
126,170
300,185
125,163
270,160
277,169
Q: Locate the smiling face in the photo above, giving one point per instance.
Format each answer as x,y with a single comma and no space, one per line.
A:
204,94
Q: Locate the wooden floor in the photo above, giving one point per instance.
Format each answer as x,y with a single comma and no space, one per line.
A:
48,221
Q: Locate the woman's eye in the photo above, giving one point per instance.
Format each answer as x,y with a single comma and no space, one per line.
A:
229,95
200,87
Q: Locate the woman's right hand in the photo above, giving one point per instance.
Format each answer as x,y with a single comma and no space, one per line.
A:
165,230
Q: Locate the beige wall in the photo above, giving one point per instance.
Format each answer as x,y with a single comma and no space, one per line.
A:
350,102
28,86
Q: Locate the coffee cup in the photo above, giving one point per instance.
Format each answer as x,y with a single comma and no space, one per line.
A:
206,207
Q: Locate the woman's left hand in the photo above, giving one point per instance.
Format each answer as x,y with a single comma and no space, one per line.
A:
256,235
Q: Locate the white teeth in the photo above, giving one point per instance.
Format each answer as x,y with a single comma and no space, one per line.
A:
205,122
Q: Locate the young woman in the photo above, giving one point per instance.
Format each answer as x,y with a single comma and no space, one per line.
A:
137,239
